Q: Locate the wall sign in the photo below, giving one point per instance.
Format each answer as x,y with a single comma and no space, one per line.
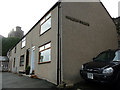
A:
77,20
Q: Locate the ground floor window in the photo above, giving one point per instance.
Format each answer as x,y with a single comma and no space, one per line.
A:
45,53
22,60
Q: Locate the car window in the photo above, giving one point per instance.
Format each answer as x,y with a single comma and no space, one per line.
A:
106,56
102,57
117,56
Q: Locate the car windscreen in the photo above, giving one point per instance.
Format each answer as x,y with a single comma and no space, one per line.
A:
106,56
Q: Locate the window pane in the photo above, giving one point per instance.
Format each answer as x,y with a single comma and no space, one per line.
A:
48,45
45,26
22,63
102,57
23,42
23,39
48,15
45,55
42,48
42,21
22,60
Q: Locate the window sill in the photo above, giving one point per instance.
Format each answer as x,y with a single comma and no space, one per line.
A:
22,66
45,32
44,62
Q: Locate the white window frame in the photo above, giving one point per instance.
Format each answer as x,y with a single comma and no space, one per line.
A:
42,49
23,42
45,19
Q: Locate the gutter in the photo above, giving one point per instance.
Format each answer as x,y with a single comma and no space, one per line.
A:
59,49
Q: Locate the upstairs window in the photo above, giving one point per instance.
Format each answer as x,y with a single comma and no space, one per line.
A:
45,53
23,42
45,24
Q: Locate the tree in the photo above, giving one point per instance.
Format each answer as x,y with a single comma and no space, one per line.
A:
8,43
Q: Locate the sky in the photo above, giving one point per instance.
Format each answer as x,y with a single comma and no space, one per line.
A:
25,13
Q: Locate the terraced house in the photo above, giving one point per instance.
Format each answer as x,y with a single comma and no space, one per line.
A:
68,35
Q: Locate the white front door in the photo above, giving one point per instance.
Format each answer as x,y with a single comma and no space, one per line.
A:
32,59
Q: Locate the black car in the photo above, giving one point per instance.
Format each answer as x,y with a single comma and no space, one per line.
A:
105,68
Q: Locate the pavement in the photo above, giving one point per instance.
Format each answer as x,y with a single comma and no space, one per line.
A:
10,80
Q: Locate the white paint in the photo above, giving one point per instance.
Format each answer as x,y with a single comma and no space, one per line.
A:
32,59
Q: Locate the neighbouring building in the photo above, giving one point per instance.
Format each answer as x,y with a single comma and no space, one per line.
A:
4,63
1,45
67,36
16,33
117,23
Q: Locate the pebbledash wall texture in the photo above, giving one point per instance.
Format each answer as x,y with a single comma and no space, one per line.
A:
67,36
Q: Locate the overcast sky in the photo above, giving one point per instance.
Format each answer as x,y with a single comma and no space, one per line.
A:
26,13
